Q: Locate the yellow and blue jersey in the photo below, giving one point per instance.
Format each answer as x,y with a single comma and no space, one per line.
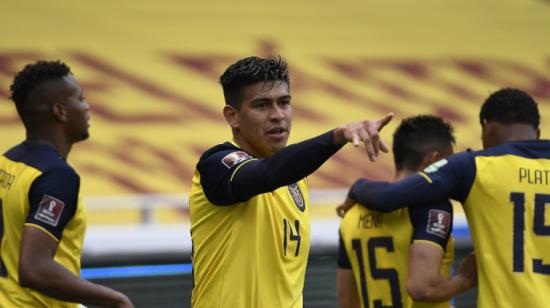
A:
38,189
375,246
248,251
505,192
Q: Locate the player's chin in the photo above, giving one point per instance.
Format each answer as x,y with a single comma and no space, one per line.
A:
276,146
84,136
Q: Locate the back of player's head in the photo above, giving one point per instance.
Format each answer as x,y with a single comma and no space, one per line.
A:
29,80
417,136
510,106
249,71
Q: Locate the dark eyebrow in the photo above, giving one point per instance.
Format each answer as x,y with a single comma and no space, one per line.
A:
260,100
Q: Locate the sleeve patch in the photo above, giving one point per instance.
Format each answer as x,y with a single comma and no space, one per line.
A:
49,210
439,223
235,158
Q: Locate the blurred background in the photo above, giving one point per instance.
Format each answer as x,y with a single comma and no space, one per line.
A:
149,70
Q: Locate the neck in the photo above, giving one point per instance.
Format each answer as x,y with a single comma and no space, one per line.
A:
401,174
498,134
518,132
243,144
59,144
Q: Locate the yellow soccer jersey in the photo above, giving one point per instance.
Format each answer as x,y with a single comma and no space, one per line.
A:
505,192
38,189
376,246
246,253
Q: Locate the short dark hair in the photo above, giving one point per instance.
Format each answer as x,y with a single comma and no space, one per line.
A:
510,106
418,135
32,76
249,71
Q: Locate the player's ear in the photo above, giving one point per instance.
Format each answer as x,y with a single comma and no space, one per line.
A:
432,157
231,116
59,112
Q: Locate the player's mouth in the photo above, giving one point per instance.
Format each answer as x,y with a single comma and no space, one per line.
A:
277,133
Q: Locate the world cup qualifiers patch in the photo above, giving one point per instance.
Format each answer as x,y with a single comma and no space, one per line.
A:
439,223
49,210
235,158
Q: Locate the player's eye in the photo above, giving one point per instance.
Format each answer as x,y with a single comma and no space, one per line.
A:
284,103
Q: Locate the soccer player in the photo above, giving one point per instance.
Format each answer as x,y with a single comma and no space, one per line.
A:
505,192
374,246
249,204
42,218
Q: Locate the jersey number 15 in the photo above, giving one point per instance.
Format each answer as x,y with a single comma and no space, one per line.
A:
518,201
389,274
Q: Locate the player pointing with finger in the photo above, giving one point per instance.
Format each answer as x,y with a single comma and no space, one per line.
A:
249,202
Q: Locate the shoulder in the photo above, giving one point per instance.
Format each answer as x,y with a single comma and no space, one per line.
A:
226,155
39,156
61,180
64,171
458,161
532,149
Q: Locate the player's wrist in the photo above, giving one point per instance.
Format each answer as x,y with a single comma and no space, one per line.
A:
462,283
338,136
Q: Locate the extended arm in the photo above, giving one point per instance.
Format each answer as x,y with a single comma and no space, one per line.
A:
251,177
39,271
425,281
387,197
448,178
285,167
299,160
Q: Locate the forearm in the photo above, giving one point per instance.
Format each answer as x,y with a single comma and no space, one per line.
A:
387,197
437,289
425,281
285,167
54,280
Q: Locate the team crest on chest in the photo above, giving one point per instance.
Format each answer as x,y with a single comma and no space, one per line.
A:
297,196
